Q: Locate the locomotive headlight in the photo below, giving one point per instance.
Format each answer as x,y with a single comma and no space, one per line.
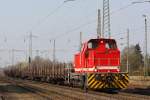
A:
109,79
118,70
102,42
121,76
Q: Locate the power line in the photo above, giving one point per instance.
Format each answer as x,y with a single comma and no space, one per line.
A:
74,29
146,1
91,22
117,34
68,0
133,30
122,8
48,15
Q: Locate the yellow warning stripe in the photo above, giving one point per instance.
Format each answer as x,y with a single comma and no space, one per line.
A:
126,78
114,85
92,86
125,82
122,84
101,85
118,85
104,85
91,77
97,85
90,83
127,75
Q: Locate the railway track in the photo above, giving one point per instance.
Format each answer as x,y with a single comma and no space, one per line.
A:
11,90
78,94
44,91
45,94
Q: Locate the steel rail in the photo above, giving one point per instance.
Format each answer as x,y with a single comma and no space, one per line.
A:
91,94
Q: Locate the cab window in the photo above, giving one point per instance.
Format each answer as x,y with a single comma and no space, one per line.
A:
110,45
107,45
92,45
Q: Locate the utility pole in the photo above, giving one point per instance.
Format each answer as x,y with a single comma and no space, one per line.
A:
145,57
30,48
54,57
80,41
54,50
30,51
106,18
31,36
127,50
13,57
99,34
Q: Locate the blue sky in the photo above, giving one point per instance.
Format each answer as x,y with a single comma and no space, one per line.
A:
19,17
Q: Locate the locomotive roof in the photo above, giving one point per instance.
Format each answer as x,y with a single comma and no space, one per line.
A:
102,39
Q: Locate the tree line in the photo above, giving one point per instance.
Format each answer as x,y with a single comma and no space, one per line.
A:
135,58
136,61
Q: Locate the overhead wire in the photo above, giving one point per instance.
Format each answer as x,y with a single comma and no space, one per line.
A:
83,25
78,27
74,29
48,15
122,8
135,30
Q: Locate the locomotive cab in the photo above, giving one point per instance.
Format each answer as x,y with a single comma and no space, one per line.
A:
98,55
102,44
105,55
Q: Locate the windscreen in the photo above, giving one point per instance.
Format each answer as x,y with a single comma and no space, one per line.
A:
93,44
109,44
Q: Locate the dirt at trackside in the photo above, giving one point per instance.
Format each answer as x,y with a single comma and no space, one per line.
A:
9,91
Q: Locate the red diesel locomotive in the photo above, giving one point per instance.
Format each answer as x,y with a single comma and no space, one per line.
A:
99,59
